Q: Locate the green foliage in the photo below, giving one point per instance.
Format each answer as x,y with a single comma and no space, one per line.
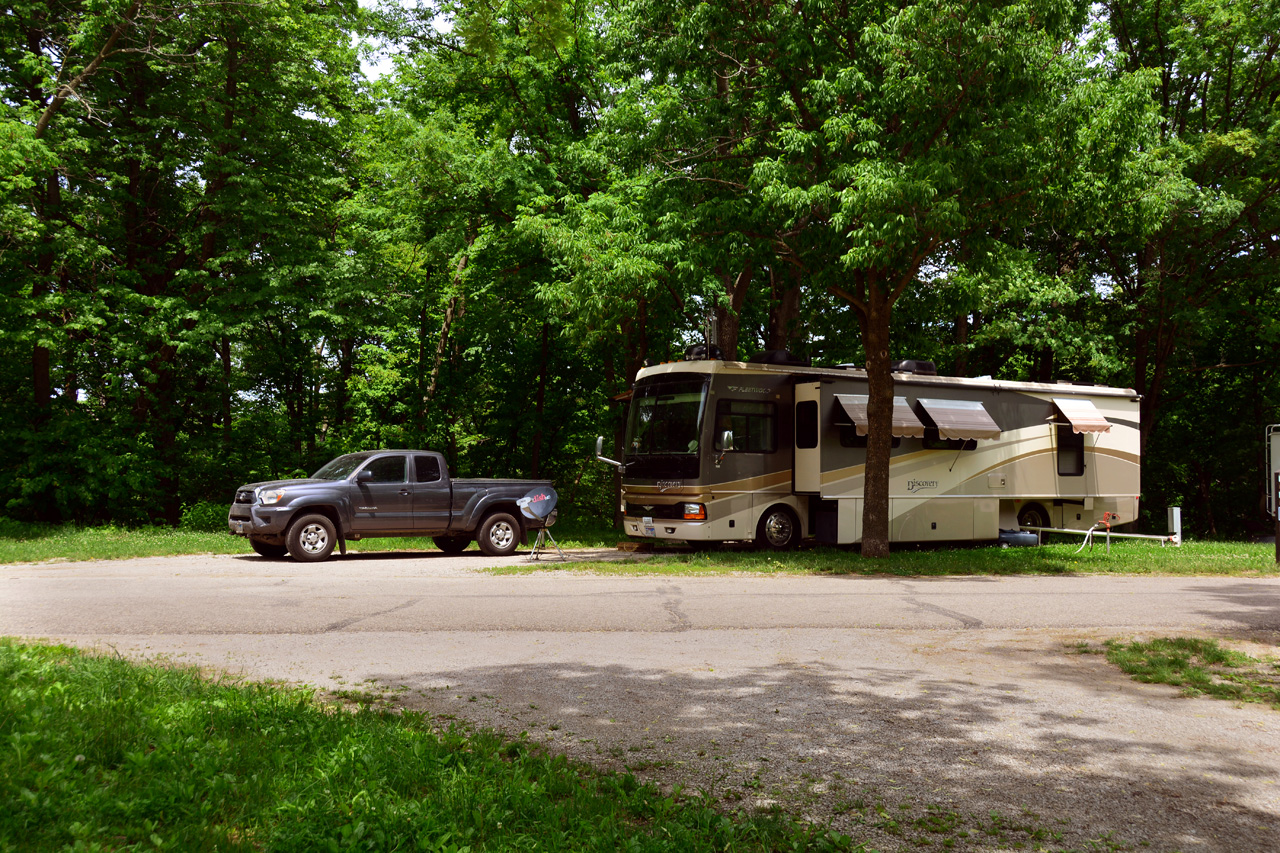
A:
98,748
205,516
1199,667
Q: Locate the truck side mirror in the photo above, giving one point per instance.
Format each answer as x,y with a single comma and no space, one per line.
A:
365,476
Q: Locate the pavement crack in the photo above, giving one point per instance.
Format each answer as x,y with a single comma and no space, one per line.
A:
347,623
671,604
965,620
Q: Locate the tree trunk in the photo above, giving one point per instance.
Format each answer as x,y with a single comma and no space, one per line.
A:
784,307
729,318
874,318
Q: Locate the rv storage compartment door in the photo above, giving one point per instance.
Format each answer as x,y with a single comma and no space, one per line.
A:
808,462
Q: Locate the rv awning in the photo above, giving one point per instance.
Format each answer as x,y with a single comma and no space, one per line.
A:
960,419
1083,414
905,422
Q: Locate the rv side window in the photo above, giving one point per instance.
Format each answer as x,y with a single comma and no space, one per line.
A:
753,424
933,441
807,424
1070,452
849,437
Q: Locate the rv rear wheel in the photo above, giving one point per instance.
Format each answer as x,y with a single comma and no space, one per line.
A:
778,529
1033,515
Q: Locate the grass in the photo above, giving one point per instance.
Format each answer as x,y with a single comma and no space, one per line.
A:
99,754
1200,667
34,543
1125,558
38,543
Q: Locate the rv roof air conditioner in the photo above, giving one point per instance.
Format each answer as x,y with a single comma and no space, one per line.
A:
916,366
702,352
779,356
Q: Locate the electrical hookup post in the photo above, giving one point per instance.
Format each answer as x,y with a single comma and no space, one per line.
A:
1273,480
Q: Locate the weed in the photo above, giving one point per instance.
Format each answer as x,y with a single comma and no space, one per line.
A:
1200,667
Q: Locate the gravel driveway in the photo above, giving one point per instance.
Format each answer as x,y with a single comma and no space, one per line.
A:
906,713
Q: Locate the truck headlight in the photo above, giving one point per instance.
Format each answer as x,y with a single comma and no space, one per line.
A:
695,512
272,497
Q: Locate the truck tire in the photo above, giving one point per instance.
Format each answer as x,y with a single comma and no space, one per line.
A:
268,550
452,544
311,538
499,534
778,529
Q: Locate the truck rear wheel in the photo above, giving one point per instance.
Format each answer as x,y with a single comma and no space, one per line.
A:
311,538
499,535
452,544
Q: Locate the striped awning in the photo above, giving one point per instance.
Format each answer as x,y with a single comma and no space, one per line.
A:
1083,414
905,422
963,419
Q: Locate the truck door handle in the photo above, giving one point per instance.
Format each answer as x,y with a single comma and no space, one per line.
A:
405,492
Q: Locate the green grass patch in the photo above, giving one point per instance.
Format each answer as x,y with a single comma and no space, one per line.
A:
99,754
1125,558
1200,667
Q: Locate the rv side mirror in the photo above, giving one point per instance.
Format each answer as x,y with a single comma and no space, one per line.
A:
726,440
600,452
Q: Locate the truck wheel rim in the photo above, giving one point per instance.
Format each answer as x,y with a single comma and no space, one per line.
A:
501,535
314,538
778,528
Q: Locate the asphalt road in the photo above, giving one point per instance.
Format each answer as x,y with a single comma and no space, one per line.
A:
718,681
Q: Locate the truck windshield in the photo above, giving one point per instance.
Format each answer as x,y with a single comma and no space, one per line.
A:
664,427
342,467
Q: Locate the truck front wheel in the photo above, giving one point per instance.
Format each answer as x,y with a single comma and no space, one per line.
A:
268,550
312,538
499,535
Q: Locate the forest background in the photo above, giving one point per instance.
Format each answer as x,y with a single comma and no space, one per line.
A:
227,254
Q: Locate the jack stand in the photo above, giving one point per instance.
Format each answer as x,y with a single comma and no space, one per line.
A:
538,545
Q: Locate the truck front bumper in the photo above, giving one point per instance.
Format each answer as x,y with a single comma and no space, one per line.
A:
260,522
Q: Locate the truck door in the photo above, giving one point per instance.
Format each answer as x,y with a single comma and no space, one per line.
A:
432,496
385,500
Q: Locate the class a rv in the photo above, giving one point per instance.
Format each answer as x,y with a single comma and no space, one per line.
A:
773,451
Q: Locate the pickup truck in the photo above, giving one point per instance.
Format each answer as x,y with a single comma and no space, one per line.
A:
382,493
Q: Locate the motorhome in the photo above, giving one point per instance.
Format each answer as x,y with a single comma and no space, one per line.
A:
774,451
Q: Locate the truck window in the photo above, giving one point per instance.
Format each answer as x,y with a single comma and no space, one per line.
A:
754,425
387,469
427,469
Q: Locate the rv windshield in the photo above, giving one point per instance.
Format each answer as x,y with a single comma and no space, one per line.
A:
665,427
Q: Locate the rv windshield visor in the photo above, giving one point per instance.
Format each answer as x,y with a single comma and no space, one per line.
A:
905,422
1083,414
960,419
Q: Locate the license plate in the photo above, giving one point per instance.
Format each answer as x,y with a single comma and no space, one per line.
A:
240,527
649,529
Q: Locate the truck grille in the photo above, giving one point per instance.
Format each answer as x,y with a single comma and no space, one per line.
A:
244,496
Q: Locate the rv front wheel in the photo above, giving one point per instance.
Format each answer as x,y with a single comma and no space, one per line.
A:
1033,515
778,529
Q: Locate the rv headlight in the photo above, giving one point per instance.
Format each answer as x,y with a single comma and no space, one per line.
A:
274,496
695,512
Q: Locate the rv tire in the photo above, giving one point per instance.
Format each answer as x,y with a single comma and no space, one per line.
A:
1033,515
778,529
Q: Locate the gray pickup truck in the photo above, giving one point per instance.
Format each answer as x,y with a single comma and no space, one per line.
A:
382,493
